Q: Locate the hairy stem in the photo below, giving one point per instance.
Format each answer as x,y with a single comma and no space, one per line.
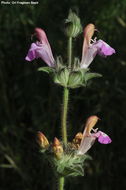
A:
61,183
66,97
65,110
64,115
69,52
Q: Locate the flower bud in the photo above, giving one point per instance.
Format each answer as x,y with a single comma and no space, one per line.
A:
78,137
73,25
57,148
42,140
77,140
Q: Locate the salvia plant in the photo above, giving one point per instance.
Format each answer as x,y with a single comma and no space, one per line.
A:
68,158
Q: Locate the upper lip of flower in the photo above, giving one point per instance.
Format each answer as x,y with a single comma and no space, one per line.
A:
90,123
92,47
41,49
90,137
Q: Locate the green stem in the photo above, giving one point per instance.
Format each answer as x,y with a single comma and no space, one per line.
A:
66,98
65,110
69,52
64,115
61,183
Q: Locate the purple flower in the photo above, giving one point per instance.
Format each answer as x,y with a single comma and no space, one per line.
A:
92,47
90,135
102,137
103,49
41,49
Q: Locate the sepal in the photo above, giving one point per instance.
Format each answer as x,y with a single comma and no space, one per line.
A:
75,79
59,63
70,165
76,64
62,77
65,77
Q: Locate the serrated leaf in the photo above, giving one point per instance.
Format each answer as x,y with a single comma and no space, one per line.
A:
46,69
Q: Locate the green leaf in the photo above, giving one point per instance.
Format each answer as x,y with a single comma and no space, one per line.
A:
46,69
89,76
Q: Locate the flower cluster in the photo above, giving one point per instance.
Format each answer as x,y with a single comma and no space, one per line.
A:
81,143
72,156
77,74
41,48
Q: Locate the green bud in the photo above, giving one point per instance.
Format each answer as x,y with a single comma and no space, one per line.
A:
73,25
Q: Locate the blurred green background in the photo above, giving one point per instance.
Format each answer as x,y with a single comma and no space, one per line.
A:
29,101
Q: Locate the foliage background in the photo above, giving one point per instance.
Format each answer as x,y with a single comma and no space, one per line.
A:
30,102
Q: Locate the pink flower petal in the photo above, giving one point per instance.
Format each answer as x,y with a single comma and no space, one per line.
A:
103,48
88,56
104,138
86,144
41,49
31,53
97,134
41,35
90,50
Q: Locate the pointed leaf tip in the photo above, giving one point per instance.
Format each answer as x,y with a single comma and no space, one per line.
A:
46,69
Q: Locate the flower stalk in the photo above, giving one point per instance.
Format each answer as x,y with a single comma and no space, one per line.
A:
61,183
